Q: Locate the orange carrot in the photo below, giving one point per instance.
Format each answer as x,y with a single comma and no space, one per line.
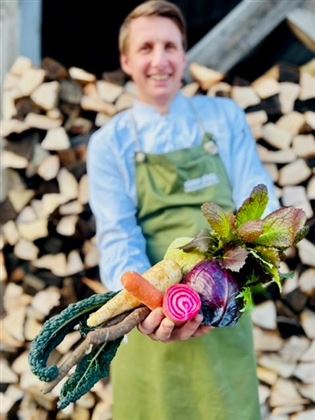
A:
142,289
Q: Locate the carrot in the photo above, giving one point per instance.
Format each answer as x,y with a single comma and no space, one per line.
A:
162,275
142,289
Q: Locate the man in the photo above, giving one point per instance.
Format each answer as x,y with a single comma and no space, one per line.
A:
139,166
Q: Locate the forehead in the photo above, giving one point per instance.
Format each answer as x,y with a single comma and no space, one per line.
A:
153,29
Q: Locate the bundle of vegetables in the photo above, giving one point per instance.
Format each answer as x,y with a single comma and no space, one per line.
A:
216,271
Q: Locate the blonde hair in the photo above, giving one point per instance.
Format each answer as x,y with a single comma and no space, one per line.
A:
152,8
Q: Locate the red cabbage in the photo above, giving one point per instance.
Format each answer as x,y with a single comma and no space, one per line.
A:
219,291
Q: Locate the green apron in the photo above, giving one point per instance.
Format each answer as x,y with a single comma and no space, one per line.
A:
208,378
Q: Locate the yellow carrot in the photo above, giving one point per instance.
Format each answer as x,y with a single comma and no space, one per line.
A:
162,275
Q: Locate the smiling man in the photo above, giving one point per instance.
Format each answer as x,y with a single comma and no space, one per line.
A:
150,169
153,55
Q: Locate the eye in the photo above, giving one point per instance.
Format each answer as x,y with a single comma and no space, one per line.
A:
145,48
170,46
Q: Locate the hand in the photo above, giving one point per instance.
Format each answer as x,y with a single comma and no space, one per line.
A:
160,328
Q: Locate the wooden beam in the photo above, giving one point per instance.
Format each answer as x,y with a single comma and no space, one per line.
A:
239,32
301,22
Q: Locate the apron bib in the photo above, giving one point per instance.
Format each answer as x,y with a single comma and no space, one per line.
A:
208,378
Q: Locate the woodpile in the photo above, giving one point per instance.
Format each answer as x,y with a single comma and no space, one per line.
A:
48,253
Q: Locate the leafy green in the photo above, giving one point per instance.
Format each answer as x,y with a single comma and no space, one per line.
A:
93,367
254,206
201,242
246,295
234,258
246,244
250,231
281,227
54,331
219,222
269,254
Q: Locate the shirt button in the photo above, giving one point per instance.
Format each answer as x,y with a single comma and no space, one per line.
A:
211,148
140,157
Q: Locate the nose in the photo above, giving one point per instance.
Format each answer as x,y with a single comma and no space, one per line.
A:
158,56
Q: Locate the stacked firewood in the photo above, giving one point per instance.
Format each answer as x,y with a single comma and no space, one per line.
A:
48,253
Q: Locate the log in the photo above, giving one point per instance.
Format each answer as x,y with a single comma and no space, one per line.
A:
296,196
12,160
308,324
190,89
279,156
97,105
7,376
294,173
74,207
68,185
307,83
67,225
292,122
264,315
56,139
306,252
288,94
19,199
245,96
81,75
304,145
26,250
49,167
276,136
307,282
42,121
20,66
30,80
266,87
11,126
310,190
46,95
205,76
108,92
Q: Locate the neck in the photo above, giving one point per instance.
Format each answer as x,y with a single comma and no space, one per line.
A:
162,105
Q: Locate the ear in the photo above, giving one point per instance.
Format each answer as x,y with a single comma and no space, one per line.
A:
124,62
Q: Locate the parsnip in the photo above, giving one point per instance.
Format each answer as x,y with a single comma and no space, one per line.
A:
162,275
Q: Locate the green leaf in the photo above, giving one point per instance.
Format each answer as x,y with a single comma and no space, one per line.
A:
246,295
301,234
250,231
234,258
219,221
56,328
93,367
281,227
200,243
269,254
268,267
254,206
287,276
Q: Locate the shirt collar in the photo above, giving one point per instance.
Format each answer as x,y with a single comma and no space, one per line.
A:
147,113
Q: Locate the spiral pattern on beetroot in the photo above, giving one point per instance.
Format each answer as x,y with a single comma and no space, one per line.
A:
181,303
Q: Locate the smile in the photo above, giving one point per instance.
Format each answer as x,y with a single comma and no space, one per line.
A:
159,77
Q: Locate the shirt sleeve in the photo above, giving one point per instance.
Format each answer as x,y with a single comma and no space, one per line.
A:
120,239
247,169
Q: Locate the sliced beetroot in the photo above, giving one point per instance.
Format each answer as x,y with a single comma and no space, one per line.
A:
181,303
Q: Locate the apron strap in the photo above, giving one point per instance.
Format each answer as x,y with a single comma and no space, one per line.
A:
140,155
208,139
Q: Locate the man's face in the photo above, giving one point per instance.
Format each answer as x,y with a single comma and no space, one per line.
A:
155,58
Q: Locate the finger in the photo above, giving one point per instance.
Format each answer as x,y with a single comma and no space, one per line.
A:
202,330
152,321
187,330
164,331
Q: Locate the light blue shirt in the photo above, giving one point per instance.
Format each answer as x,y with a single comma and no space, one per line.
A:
111,169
